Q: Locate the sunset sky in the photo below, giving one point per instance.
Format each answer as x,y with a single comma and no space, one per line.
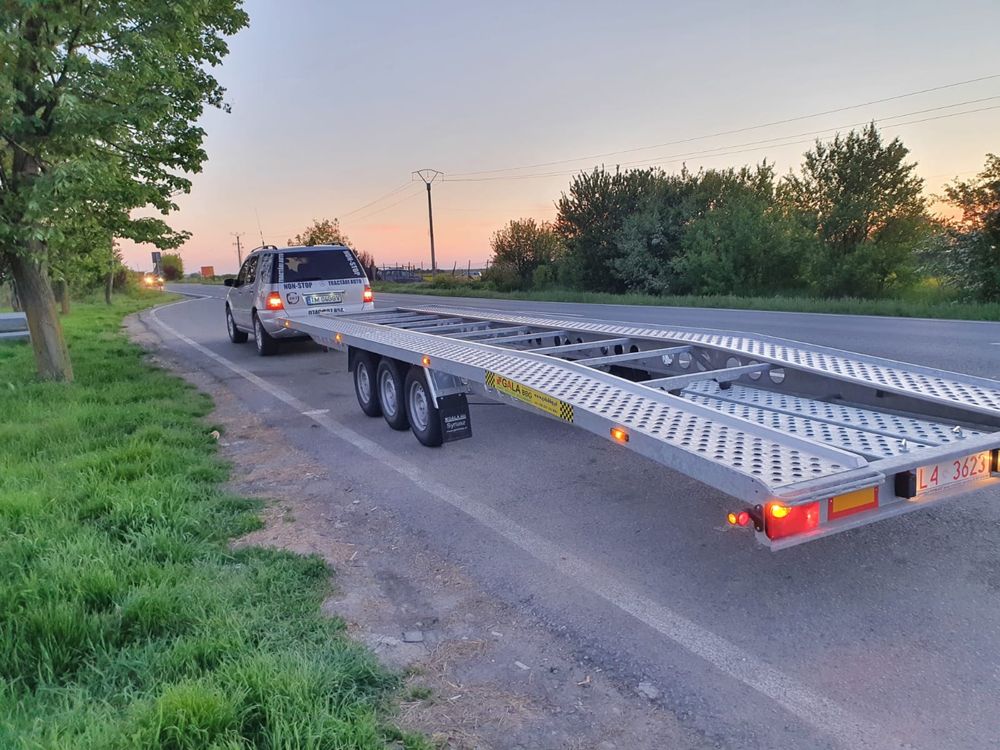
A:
335,104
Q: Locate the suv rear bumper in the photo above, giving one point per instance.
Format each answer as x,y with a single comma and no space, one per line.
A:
270,319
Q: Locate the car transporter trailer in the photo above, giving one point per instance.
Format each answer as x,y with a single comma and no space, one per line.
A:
812,440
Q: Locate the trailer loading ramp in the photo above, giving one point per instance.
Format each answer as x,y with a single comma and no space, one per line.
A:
812,440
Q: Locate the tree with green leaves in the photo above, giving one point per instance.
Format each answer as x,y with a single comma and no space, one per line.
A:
321,232
973,253
864,205
590,216
172,266
99,102
651,239
524,245
740,241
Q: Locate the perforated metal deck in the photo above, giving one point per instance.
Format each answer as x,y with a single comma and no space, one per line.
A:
977,394
759,418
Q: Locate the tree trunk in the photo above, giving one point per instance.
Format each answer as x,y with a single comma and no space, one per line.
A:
15,303
61,291
108,287
35,293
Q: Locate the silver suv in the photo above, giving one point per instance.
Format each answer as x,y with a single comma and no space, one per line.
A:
290,282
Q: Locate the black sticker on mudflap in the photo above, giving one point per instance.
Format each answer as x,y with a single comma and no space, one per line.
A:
456,422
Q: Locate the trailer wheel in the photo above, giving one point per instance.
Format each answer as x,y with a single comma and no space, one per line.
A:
424,421
365,367
390,378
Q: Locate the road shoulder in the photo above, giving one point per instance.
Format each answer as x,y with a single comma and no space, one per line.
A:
478,672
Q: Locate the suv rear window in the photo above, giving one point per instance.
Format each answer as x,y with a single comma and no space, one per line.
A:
315,265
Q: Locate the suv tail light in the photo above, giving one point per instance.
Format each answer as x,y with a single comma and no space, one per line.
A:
369,295
274,302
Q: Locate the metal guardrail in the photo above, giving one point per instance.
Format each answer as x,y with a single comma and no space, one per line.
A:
13,326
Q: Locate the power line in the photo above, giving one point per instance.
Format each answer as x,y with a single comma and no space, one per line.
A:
734,131
725,150
386,208
380,198
707,152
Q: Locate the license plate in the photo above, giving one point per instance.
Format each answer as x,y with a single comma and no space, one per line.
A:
966,469
324,298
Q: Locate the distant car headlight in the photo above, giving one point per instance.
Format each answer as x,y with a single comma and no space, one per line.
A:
161,279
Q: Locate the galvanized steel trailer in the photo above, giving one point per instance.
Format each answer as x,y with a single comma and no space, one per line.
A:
811,440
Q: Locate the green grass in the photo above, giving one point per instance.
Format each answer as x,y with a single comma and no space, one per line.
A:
126,620
919,304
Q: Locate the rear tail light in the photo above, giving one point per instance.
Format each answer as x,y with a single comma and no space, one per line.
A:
740,518
786,520
369,295
274,302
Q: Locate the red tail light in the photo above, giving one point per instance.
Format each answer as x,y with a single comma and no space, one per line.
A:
741,518
369,295
274,302
786,520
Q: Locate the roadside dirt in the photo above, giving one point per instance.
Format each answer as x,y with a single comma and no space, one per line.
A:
478,674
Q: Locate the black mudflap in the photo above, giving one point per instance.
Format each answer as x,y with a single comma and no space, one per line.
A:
456,422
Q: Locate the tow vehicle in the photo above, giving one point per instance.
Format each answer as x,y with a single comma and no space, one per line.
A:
301,280
808,440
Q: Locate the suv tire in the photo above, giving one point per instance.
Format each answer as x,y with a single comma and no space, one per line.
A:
266,345
235,334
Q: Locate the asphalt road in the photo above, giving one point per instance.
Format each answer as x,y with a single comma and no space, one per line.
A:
887,636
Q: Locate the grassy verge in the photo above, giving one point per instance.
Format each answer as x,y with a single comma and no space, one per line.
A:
126,620
906,308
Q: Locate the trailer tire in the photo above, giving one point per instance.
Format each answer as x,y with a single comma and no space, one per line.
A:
390,379
365,388
421,410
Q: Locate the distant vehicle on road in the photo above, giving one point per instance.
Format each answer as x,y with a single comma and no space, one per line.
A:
293,282
400,276
152,281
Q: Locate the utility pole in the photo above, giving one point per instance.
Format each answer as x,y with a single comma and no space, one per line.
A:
428,176
239,249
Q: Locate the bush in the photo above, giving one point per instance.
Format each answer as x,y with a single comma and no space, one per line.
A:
172,266
447,281
502,279
545,277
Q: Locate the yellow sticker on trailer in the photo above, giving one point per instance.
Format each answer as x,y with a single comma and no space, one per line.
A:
545,402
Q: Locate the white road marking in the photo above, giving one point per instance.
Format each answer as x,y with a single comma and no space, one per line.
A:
315,412
815,709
